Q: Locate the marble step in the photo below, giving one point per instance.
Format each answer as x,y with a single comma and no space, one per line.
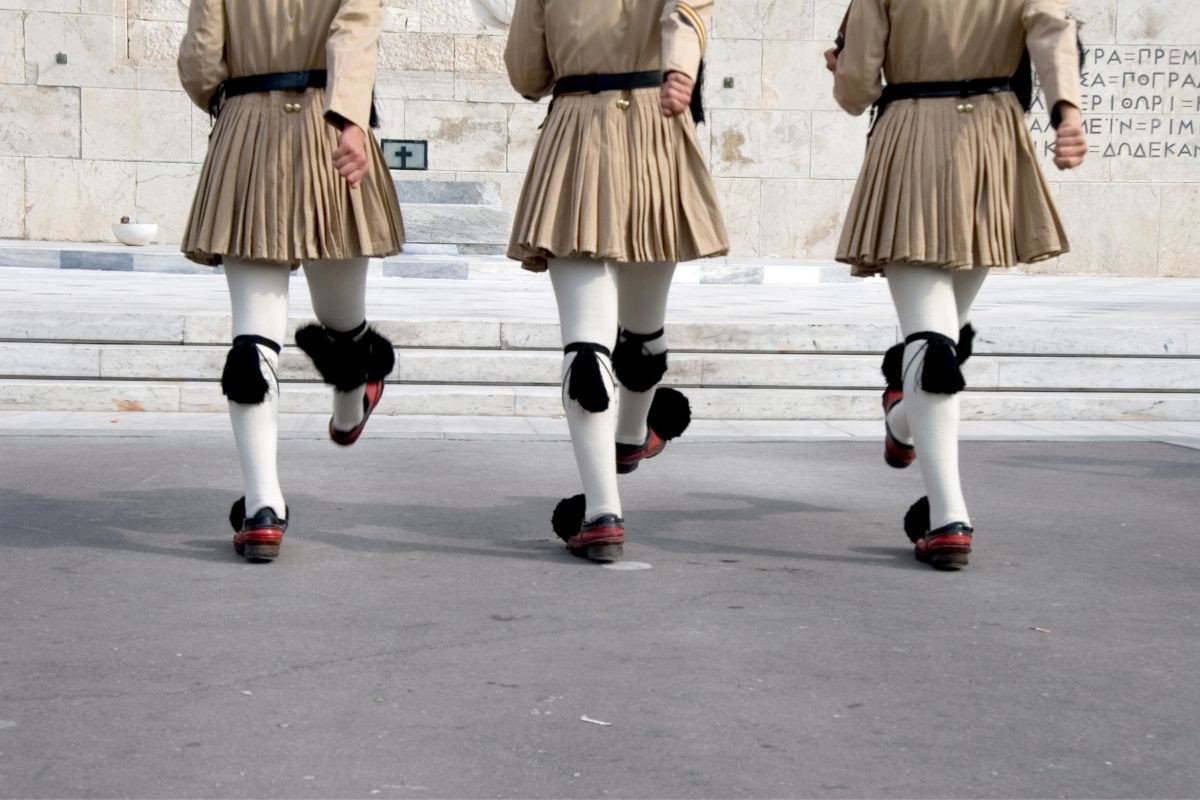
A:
460,193
542,367
447,223
541,401
481,333
433,251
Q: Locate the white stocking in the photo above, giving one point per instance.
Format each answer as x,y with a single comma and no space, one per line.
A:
642,290
967,283
586,292
926,300
258,294
339,289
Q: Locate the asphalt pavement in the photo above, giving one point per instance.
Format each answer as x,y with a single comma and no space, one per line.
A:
424,635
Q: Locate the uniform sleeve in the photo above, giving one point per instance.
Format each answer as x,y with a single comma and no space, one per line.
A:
858,81
525,53
1050,36
685,35
201,62
351,52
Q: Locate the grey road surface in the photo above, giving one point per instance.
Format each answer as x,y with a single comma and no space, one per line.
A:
424,636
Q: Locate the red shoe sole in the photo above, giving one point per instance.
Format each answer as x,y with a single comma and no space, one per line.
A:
371,399
947,552
603,545
629,463
897,454
258,545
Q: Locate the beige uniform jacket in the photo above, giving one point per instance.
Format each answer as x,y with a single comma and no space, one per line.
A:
611,177
268,191
946,182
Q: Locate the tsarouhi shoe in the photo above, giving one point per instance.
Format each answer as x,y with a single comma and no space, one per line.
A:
629,455
257,538
371,396
670,414
895,452
946,548
602,540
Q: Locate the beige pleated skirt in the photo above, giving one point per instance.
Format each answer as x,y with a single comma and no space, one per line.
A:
626,185
943,188
268,190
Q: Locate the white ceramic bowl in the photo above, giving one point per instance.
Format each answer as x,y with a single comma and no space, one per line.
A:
135,234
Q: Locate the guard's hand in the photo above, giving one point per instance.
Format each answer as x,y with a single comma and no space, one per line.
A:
350,158
1070,144
676,93
831,56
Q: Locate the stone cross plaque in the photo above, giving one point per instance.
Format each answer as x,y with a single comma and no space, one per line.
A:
406,153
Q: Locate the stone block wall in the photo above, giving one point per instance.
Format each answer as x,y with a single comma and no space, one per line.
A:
110,133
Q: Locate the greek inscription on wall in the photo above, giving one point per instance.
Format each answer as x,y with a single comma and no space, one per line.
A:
1138,103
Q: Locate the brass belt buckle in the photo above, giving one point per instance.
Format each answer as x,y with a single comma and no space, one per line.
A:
622,103
966,107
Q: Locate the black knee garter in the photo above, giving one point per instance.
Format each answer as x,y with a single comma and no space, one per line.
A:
242,380
584,381
637,368
347,359
893,359
966,343
940,370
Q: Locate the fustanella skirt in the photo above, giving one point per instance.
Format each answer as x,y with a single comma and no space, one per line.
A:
940,187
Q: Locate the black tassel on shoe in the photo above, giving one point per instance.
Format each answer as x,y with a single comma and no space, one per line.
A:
585,380
567,518
670,413
940,372
637,369
242,380
237,514
916,521
966,343
893,366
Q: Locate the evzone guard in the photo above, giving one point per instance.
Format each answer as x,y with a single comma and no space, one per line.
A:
616,194
950,188
293,176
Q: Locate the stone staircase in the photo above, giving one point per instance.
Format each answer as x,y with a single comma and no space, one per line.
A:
92,359
453,217
777,341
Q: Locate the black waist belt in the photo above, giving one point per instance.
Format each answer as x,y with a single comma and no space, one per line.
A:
607,82
910,91
298,81
277,81
617,81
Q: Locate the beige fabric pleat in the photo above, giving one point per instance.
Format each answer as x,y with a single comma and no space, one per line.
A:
946,188
622,185
268,190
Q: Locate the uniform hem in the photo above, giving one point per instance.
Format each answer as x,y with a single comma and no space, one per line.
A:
534,259
210,259
866,269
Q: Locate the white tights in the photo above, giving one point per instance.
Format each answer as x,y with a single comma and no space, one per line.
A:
937,300
258,294
594,297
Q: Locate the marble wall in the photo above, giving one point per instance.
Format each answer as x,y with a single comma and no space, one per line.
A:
110,133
